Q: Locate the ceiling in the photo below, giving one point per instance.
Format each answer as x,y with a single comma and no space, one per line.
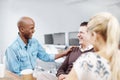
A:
56,13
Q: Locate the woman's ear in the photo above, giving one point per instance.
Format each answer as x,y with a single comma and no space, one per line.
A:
94,36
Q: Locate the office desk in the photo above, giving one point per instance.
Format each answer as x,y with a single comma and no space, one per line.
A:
10,76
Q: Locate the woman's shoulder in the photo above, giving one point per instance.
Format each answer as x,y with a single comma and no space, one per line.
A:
89,55
92,55
89,58
93,58
93,63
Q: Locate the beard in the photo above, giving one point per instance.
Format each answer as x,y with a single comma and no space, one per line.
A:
28,36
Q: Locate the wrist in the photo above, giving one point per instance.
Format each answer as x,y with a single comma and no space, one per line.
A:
64,53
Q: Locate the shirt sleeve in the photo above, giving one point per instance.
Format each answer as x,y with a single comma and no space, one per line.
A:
45,56
63,67
12,63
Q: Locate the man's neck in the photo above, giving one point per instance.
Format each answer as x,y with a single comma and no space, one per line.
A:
24,39
84,47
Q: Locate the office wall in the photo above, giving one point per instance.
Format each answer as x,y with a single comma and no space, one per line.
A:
51,16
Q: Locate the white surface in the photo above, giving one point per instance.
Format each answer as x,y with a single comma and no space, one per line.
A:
60,60
51,49
26,71
2,70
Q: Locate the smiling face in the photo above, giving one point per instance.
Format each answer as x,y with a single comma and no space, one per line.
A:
26,27
28,30
82,34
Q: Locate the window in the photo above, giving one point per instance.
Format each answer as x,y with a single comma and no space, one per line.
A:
48,38
59,38
73,40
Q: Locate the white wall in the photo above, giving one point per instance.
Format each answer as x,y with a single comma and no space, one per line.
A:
50,16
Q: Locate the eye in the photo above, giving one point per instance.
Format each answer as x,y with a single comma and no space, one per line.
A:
92,33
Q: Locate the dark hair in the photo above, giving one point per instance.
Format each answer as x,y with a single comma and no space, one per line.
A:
84,24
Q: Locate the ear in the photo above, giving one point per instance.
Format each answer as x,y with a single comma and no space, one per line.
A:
94,36
21,29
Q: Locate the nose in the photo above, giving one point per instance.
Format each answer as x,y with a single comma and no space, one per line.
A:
33,30
78,35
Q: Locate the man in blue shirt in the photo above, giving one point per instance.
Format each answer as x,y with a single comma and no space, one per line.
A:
24,51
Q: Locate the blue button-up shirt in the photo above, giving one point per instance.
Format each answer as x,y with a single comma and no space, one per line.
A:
20,56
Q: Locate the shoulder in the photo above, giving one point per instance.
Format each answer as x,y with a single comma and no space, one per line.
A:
93,63
92,58
89,59
35,43
34,40
14,45
74,50
12,48
88,56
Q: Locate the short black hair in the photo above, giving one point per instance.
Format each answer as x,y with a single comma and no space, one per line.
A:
84,24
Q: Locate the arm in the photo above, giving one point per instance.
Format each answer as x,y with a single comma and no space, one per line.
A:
12,62
43,55
64,53
63,67
50,57
72,75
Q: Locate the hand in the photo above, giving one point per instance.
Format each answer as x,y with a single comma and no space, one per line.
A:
62,76
66,52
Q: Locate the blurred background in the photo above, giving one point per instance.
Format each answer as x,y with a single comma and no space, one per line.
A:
50,16
56,21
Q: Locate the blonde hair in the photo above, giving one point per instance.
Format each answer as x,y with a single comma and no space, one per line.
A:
108,27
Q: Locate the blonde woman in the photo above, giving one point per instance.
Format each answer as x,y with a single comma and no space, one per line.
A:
104,64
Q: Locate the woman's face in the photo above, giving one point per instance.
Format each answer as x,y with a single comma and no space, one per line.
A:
92,37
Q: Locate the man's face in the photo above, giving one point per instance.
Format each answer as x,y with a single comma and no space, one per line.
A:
28,29
82,34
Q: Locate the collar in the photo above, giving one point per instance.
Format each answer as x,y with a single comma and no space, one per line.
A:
21,43
87,48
